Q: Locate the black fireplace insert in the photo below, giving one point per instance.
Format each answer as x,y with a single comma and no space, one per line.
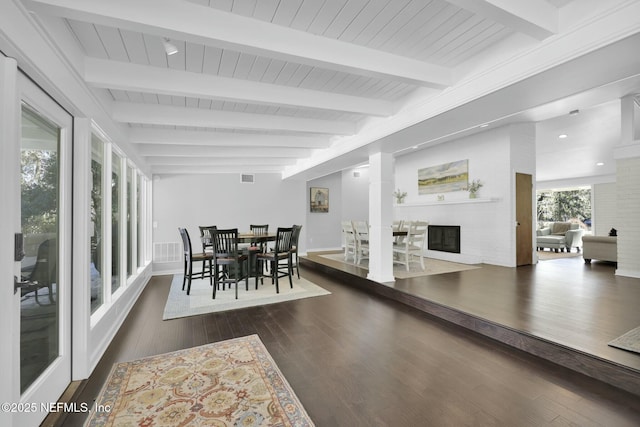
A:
444,238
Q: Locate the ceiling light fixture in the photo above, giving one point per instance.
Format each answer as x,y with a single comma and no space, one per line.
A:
600,164
563,136
169,47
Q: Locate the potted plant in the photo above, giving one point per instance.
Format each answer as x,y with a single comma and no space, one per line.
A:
400,195
473,188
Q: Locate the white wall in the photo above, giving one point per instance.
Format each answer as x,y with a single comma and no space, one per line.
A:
487,225
222,200
324,231
355,194
523,160
628,194
604,209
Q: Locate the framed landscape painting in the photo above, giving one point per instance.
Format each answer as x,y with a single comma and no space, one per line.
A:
444,178
319,200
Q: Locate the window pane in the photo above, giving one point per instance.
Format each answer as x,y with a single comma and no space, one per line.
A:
96,265
139,219
116,176
130,221
40,189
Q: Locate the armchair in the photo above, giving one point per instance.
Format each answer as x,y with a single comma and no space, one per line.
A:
559,236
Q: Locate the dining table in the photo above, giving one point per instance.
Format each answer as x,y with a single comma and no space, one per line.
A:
246,237
249,236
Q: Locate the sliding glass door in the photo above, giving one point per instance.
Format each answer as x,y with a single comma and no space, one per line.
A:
43,327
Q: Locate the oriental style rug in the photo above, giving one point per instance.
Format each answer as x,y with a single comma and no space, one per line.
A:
629,341
200,300
432,266
228,383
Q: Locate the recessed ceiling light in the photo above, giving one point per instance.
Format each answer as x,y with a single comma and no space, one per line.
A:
563,136
600,164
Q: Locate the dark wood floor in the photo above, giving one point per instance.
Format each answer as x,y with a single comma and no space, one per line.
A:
359,359
582,306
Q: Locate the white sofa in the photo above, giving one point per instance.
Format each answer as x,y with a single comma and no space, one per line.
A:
559,236
603,248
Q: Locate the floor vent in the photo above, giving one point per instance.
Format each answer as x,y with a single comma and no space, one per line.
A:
247,178
167,252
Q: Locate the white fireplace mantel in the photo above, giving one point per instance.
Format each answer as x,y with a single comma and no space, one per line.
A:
448,202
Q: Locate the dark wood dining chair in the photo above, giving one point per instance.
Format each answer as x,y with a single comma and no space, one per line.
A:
227,256
190,258
257,229
205,238
258,245
294,248
281,251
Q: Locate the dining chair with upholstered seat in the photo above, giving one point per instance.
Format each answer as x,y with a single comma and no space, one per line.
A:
294,248
189,258
227,255
205,239
258,245
413,244
281,251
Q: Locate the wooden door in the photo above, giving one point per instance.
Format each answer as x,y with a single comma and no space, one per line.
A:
524,213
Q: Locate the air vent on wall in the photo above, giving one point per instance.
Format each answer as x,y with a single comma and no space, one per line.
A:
246,178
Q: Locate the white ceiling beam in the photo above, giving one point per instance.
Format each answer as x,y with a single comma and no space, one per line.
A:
219,161
154,114
536,18
152,150
196,137
199,170
108,74
199,24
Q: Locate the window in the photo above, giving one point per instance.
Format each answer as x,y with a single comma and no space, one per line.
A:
131,221
140,245
571,204
96,266
116,177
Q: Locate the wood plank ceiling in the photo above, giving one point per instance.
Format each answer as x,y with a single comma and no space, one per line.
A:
257,85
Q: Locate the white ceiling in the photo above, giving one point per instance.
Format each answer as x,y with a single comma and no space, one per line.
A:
306,87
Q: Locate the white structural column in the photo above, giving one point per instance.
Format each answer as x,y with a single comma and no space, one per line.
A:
380,217
627,156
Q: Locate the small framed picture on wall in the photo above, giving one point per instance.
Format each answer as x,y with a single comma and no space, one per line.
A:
319,200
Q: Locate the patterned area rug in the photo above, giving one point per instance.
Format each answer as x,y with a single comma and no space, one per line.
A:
200,301
229,383
432,266
629,341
